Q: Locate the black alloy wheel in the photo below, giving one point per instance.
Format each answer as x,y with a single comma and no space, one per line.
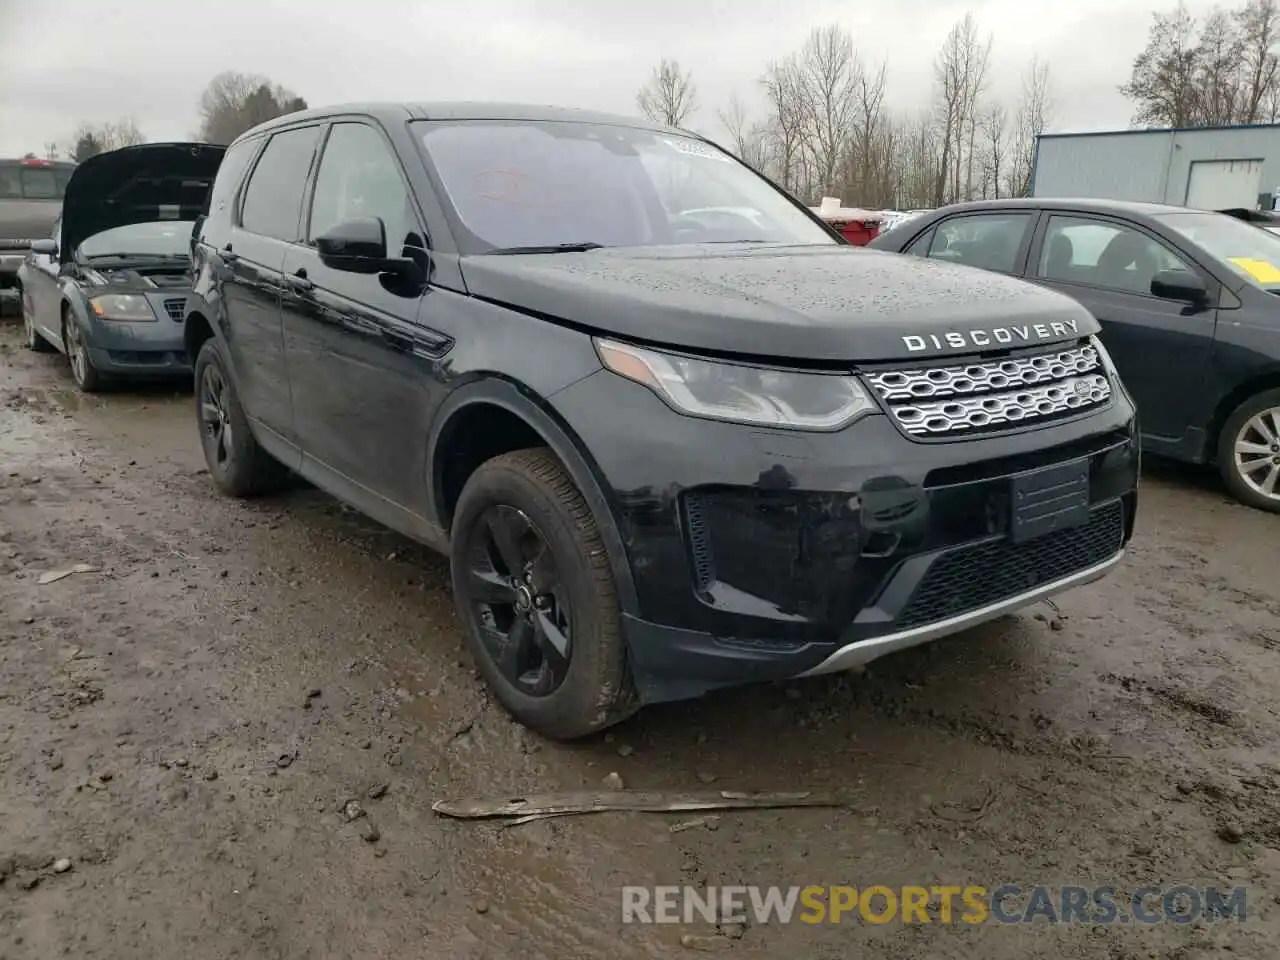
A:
216,433
519,602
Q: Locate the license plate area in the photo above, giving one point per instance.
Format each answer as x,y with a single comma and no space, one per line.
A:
1049,499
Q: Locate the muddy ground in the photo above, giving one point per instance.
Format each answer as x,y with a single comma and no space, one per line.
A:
160,728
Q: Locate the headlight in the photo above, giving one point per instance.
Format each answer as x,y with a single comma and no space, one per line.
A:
121,306
756,395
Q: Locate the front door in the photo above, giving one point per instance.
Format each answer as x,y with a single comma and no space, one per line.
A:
42,302
1161,348
362,364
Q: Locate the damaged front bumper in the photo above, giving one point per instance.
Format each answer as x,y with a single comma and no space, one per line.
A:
765,554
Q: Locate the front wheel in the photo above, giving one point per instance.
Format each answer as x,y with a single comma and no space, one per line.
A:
83,372
534,588
1249,452
238,464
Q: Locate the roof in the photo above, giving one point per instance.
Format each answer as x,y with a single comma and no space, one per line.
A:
1088,204
392,112
1146,130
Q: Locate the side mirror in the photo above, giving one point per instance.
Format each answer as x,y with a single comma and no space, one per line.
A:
356,246
1179,285
45,248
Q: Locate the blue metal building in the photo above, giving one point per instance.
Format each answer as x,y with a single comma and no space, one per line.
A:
1207,167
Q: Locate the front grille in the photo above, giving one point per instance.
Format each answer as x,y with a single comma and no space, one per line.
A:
176,308
992,394
973,577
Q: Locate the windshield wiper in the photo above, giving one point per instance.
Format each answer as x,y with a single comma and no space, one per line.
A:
551,248
139,256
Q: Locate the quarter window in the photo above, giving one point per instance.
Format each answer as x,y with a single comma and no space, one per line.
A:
273,198
230,172
1100,253
988,240
359,179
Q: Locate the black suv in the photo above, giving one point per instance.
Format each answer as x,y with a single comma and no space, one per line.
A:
673,433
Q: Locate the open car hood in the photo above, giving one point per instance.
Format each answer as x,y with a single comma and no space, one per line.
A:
142,184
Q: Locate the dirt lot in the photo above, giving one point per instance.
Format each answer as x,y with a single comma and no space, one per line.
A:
160,729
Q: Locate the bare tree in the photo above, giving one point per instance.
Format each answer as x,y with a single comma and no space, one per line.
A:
1034,111
783,89
90,139
1163,81
1258,23
830,75
994,123
746,135
235,102
1219,73
669,96
961,72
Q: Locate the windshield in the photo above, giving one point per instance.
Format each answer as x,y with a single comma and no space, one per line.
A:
170,238
1244,247
544,184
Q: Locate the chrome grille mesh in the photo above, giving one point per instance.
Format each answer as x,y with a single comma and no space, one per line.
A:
988,395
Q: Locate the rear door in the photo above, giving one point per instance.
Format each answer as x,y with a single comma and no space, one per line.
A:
1160,347
269,217
991,240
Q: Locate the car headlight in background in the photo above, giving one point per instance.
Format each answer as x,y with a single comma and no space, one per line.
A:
738,393
121,306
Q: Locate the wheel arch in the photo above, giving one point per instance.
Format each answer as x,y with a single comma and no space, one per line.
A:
1267,380
510,417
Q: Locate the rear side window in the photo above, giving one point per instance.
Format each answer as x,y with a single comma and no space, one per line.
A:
987,240
273,198
230,172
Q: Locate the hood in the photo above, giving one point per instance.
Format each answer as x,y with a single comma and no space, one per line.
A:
813,303
28,219
142,184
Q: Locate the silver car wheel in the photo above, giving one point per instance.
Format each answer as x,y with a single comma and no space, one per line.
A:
1257,453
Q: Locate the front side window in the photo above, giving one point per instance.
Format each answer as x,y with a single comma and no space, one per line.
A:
358,179
273,197
1101,253
514,184
987,240
1249,251
166,239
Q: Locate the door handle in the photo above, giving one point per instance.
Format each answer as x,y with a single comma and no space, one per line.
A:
229,255
298,280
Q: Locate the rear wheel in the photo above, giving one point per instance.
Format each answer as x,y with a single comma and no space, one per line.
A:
535,590
34,340
1249,452
83,372
238,464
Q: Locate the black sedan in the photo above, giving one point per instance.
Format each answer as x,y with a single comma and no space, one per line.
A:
1188,304
109,287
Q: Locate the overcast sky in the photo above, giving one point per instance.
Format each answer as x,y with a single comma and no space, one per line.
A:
68,61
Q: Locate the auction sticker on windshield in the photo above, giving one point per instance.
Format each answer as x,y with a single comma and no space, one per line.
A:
1263,271
694,149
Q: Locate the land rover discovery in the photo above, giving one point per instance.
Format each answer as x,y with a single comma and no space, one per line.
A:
673,433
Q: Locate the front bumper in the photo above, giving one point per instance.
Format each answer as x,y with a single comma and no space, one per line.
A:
766,554
148,349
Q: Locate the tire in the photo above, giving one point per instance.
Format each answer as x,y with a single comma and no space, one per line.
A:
594,691
83,372
1253,474
238,464
35,342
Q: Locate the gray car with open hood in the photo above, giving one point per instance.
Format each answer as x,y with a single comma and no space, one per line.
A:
109,287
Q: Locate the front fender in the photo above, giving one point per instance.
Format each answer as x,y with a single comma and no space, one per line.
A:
540,415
